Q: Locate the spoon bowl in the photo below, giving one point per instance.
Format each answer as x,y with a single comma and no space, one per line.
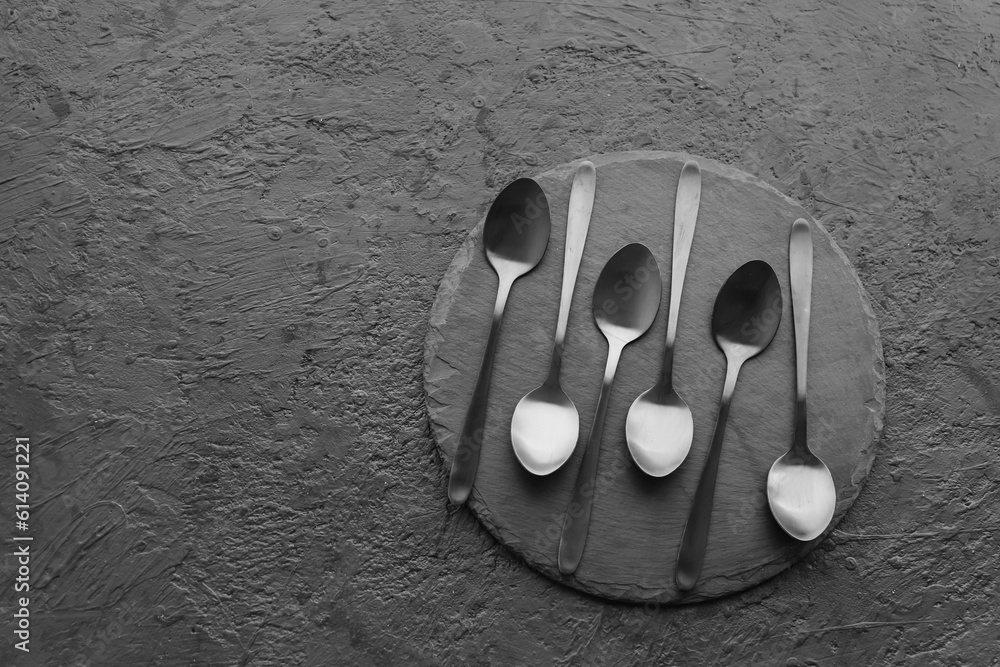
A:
515,235
544,429
517,228
744,321
627,294
801,494
659,430
747,311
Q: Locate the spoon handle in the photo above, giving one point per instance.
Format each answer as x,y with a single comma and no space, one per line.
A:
800,274
470,443
685,217
694,541
576,523
581,204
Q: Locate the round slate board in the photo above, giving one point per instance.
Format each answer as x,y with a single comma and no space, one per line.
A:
637,520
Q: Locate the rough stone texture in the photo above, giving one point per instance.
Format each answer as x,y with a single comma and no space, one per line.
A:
249,412
637,523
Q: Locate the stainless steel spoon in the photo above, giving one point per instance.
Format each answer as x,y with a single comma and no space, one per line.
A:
515,235
545,425
626,298
800,488
746,317
659,427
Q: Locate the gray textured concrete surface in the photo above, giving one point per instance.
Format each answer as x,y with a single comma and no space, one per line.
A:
222,228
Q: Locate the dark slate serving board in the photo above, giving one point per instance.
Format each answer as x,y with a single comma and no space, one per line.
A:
637,520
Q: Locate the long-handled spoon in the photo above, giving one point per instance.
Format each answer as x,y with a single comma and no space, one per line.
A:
545,425
515,235
744,321
800,488
659,427
626,298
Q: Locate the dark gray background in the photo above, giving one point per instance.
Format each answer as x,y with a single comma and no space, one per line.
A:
222,226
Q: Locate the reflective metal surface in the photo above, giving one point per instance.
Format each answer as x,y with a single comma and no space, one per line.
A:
659,427
545,425
515,235
800,488
626,298
745,318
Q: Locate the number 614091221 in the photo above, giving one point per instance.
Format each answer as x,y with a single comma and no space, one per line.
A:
22,458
